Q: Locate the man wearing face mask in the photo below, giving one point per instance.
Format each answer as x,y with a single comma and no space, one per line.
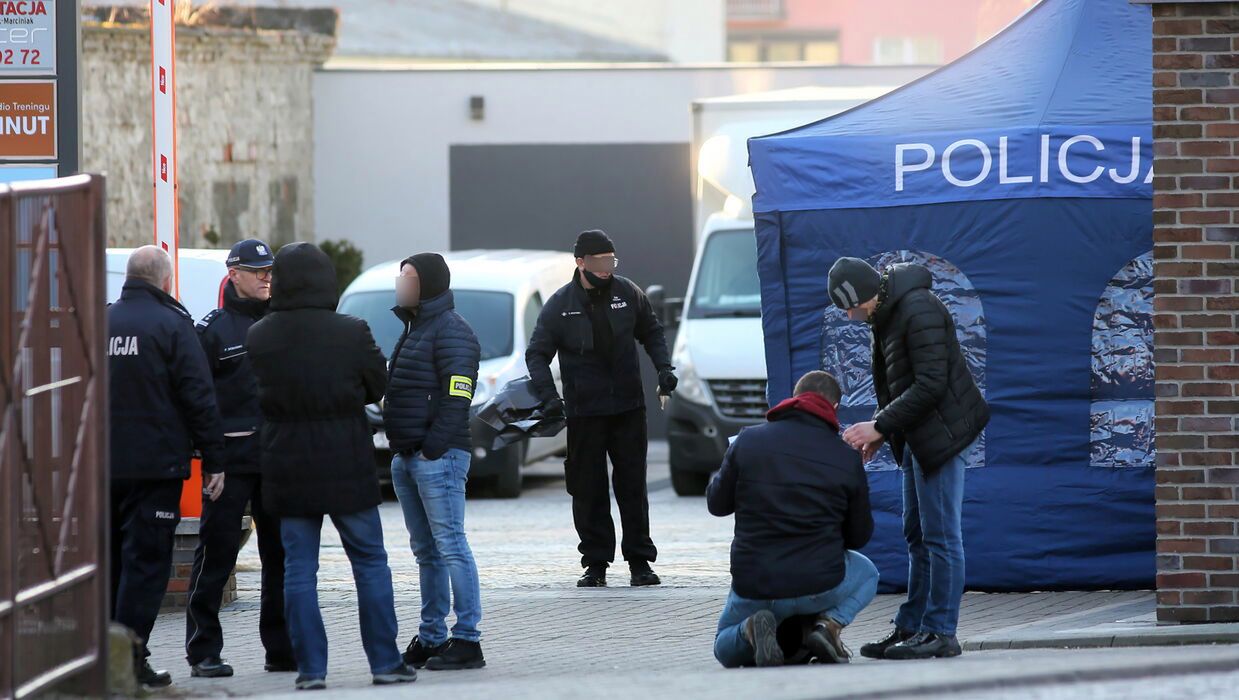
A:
223,332
594,324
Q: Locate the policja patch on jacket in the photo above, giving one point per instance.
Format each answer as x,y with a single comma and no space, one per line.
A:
460,386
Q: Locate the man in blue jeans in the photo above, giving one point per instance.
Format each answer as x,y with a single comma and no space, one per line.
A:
801,500
434,367
931,411
316,371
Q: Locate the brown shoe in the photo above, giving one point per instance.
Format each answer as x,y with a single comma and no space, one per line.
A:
759,632
826,642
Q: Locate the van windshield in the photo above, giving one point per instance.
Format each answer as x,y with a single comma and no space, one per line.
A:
727,282
490,314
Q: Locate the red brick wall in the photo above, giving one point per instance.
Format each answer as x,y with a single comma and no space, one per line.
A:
1196,245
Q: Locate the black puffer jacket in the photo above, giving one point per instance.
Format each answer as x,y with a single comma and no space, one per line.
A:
430,385
316,372
597,381
223,333
927,398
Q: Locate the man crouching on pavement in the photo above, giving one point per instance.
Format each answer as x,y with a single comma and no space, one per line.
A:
801,501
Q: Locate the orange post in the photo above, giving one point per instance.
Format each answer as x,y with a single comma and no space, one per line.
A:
191,494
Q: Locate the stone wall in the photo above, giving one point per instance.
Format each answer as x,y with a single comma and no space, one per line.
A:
245,128
1196,243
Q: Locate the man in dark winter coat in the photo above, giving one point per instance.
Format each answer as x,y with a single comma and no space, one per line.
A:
162,406
223,333
316,372
801,501
931,412
434,368
594,323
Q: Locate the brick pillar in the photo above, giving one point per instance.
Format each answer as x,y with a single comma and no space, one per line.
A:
1195,247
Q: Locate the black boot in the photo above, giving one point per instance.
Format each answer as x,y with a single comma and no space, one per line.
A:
595,577
417,654
213,667
280,665
643,575
150,678
458,656
877,650
925,645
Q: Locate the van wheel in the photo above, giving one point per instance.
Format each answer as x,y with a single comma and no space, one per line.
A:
507,483
689,483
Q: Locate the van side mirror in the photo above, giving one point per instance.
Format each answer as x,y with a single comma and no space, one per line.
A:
667,310
658,298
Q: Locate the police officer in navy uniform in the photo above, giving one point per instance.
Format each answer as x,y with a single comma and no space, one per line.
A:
594,324
162,406
222,332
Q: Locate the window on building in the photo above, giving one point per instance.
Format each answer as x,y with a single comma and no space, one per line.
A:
905,50
783,48
744,51
755,9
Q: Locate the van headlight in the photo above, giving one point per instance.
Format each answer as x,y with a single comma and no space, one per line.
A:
692,388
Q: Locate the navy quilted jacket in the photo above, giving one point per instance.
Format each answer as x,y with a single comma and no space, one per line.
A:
431,379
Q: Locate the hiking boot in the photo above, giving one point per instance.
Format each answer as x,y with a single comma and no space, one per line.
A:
418,653
401,674
458,656
827,644
643,575
926,645
150,678
877,650
213,667
306,683
595,577
759,631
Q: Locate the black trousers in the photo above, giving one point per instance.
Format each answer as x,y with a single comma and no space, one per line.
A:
219,538
145,513
590,440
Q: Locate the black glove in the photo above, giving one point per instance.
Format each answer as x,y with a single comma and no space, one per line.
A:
667,382
553,408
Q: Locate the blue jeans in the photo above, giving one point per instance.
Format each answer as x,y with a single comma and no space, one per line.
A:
362,535
841,604
432,495
932,507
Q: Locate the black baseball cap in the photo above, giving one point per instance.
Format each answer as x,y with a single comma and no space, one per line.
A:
251,253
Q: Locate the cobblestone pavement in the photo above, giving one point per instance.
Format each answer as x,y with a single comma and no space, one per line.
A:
542,634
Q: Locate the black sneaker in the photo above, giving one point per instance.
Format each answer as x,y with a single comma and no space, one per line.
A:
877,650
417,654
760,632
458,656
643,575
826,643
925,645
401,674
150,678
595,577
305,683
213,667
280,666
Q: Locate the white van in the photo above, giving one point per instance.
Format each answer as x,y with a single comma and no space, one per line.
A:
500,293
203,273
719,354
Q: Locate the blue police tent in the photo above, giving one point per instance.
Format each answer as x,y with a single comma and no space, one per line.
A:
1021,175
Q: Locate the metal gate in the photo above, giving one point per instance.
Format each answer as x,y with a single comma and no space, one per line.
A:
53,438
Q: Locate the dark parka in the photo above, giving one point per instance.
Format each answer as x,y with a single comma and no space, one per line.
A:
801,500
223,333
927,399
316,372
160,395
596,383
430,384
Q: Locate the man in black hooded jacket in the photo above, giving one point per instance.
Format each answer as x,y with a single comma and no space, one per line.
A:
931,412
594,323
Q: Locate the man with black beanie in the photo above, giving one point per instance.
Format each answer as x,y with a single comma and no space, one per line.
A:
430,384
594,323
931,412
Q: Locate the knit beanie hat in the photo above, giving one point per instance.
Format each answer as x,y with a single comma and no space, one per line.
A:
593,242
433,273
852,282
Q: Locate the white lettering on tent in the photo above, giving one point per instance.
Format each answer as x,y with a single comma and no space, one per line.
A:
905,165
901,167
986,163
1062,158
1003,177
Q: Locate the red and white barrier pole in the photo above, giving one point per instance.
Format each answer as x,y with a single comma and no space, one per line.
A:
163,131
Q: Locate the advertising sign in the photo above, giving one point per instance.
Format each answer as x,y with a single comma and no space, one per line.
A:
27,37
28,119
